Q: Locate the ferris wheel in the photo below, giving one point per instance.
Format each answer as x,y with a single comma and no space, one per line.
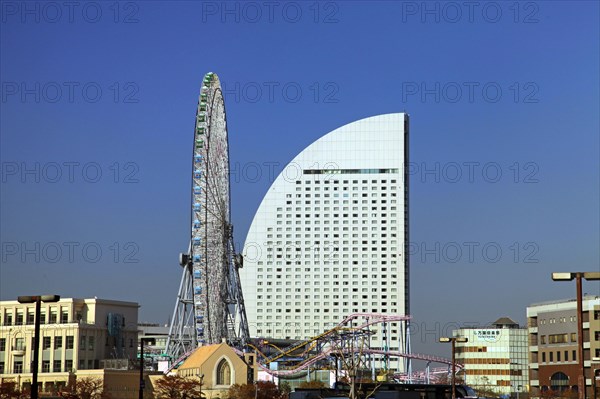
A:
209,304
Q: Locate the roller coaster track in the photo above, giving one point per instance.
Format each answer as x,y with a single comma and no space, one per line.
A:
327,352
424,376
180,360
372,318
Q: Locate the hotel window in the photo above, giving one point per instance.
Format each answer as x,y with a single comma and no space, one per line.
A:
19,344
46,344
57,342
70,342
18,366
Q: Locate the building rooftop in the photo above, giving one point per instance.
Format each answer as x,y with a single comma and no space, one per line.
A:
557,301
505,322
80,300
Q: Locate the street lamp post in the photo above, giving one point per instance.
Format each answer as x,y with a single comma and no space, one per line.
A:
150,341
453,341
578,276
36,337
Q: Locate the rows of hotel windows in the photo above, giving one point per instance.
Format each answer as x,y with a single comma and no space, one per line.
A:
316,260
267,328
57,366
47,366
347,171
572,319
559,356
88,342
563,338
486,360
554,320
27,316
46,342
472,372
57,343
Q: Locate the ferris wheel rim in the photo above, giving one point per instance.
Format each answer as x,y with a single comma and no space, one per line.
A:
216,207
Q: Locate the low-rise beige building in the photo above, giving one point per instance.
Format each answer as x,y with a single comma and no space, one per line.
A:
76,335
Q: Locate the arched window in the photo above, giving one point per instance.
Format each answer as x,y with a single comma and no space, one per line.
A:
559,382
223,373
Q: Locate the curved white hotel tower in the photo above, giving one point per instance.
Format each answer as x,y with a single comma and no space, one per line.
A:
330,236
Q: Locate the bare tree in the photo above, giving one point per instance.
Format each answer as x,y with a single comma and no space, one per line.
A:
178,387
84,388
259,390
312,384
348,348
10,390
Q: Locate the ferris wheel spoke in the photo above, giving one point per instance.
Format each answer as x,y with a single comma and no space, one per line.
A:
215,193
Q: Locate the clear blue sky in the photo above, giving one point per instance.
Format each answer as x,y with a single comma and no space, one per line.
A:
503,87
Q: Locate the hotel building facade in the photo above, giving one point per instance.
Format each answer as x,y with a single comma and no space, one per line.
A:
553,341
330,236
